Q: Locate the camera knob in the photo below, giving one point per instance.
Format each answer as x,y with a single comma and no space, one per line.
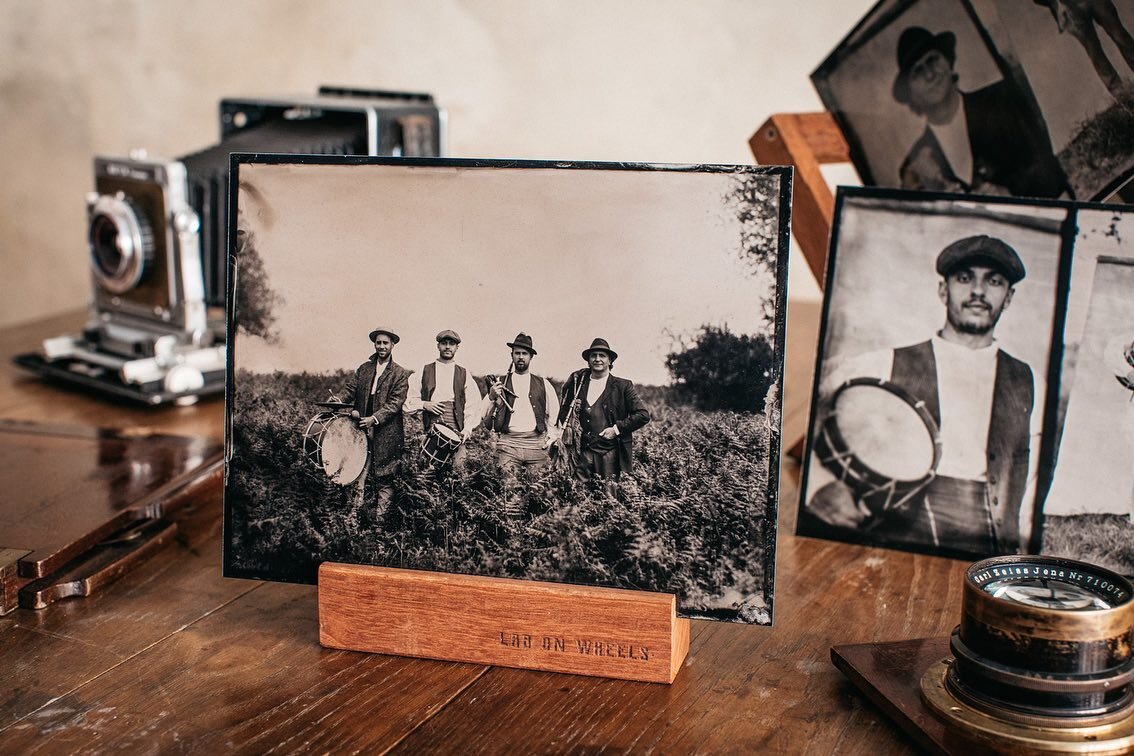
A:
186,222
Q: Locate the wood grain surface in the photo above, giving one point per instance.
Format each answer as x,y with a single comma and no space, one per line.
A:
175,658
629,635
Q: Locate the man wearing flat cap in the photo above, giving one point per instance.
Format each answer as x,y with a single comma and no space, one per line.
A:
445,392
989,141
377,392
521,410
981,399
606,410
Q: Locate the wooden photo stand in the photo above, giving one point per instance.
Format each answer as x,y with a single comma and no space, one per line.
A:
603,632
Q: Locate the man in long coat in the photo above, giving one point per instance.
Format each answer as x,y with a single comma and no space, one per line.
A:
378,390
607,411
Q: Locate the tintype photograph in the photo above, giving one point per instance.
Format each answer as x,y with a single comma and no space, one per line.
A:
566,372
1087,513
1027,99
928,418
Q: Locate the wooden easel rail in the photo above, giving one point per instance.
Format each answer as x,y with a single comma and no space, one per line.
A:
805,141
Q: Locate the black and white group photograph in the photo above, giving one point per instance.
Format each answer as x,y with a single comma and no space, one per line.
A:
998,97
929,412
1088,512
559,372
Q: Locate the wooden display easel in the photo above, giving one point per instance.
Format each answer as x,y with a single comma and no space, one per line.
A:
603,632
805,141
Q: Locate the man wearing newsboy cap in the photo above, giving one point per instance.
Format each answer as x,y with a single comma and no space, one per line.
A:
446,392
989,141
377,392
983,402
605,410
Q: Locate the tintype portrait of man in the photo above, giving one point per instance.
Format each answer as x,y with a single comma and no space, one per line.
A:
992,98
1088,513
965,398
986,141
603,411
376,393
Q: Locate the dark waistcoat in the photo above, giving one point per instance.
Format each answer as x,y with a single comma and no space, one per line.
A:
537,395
1009,429
429,385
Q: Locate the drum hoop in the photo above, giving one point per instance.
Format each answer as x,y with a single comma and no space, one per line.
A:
314,440
830,425
458,439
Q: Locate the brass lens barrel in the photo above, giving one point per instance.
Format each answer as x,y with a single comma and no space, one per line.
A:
1064,666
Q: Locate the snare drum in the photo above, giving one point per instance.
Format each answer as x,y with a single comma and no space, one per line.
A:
441,443
880,441
335,444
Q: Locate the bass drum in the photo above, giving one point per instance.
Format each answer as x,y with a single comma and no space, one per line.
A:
335,444
880,441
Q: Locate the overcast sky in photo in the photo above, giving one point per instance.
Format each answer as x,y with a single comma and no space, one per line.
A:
636,257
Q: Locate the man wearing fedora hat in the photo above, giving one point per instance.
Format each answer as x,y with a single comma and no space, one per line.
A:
445,392
981,399
608,410
989,141
377,392
521,411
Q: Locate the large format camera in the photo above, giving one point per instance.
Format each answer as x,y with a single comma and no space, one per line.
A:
157,238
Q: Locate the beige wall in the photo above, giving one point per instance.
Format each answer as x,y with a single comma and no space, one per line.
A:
672,81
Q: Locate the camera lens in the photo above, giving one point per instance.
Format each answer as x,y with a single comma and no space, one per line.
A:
105,245
121,242
1045,638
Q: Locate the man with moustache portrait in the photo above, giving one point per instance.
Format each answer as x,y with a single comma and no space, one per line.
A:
984,402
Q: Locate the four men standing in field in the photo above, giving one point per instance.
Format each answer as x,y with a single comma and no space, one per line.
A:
522,410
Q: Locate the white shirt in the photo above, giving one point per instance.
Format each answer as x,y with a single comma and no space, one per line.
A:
523,418
596,387
379,369
965,380
443,392
954,140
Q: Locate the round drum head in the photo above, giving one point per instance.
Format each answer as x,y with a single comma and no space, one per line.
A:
343,450
885,432
448,433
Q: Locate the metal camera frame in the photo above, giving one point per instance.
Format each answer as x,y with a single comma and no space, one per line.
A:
162,345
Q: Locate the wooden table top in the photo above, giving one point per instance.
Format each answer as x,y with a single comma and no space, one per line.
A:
173,657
